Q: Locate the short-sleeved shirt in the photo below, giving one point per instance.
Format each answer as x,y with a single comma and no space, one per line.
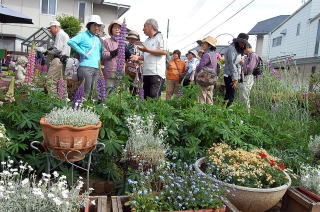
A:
154,65
60,42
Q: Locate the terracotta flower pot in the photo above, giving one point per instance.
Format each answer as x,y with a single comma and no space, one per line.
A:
68,142
250,199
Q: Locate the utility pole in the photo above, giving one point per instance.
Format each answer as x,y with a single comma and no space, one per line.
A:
167,33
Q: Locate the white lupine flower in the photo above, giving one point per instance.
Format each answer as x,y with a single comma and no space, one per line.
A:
1,135
2,188
3,163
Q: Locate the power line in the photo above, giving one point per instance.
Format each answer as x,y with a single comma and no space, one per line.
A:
222,22
207,22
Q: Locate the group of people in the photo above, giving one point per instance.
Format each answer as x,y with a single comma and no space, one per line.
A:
148,65
239,64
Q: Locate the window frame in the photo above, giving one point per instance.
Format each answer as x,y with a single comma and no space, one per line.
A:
56,8
84,12
277,41
298,29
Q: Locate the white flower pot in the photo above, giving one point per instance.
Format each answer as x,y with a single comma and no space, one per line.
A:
250,199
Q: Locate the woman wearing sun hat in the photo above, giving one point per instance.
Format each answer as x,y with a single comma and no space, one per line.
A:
191,66
209,60
110,54
88,45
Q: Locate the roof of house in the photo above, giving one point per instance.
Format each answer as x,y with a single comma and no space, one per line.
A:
122,8
293,14
267,26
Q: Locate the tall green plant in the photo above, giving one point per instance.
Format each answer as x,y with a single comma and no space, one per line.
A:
70,24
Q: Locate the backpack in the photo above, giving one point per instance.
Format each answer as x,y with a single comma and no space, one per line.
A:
258,69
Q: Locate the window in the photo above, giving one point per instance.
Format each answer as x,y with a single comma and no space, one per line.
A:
298,29
82,11
316,50
276,41
48,7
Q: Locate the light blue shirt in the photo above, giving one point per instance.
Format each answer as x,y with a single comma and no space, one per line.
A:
83,43
192,65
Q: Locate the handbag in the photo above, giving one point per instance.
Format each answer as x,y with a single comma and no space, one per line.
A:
207,76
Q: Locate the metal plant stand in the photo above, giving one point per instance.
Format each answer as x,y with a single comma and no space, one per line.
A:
50,156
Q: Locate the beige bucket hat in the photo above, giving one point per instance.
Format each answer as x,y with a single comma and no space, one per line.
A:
111,24
133,34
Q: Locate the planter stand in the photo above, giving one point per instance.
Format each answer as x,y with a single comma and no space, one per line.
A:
50,156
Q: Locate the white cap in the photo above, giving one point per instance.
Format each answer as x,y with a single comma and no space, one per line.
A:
55,23
95,19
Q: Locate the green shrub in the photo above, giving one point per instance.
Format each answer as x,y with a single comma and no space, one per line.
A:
70,24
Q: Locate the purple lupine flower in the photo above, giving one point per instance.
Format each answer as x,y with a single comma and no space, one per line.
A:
61,88
2,74
78,97
141,94
180,92
121,48
101,87
30,66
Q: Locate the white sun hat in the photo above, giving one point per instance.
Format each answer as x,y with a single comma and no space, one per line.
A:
54,23
95,19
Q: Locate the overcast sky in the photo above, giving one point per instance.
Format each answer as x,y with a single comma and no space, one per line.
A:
186,16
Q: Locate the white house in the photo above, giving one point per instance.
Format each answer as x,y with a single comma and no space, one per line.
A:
299,36
262,30
44,11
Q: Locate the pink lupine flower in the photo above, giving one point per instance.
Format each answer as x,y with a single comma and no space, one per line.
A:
30,66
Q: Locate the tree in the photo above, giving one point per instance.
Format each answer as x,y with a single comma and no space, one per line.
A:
70,24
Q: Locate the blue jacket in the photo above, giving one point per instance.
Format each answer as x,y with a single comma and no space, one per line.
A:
83,43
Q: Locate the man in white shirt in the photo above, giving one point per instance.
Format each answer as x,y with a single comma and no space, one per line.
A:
154,57
60,48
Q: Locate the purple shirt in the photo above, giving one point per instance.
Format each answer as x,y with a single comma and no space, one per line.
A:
206,62
110,64
250,62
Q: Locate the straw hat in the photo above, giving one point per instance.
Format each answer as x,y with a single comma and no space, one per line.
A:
111,25
210,40
134,35
95,19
